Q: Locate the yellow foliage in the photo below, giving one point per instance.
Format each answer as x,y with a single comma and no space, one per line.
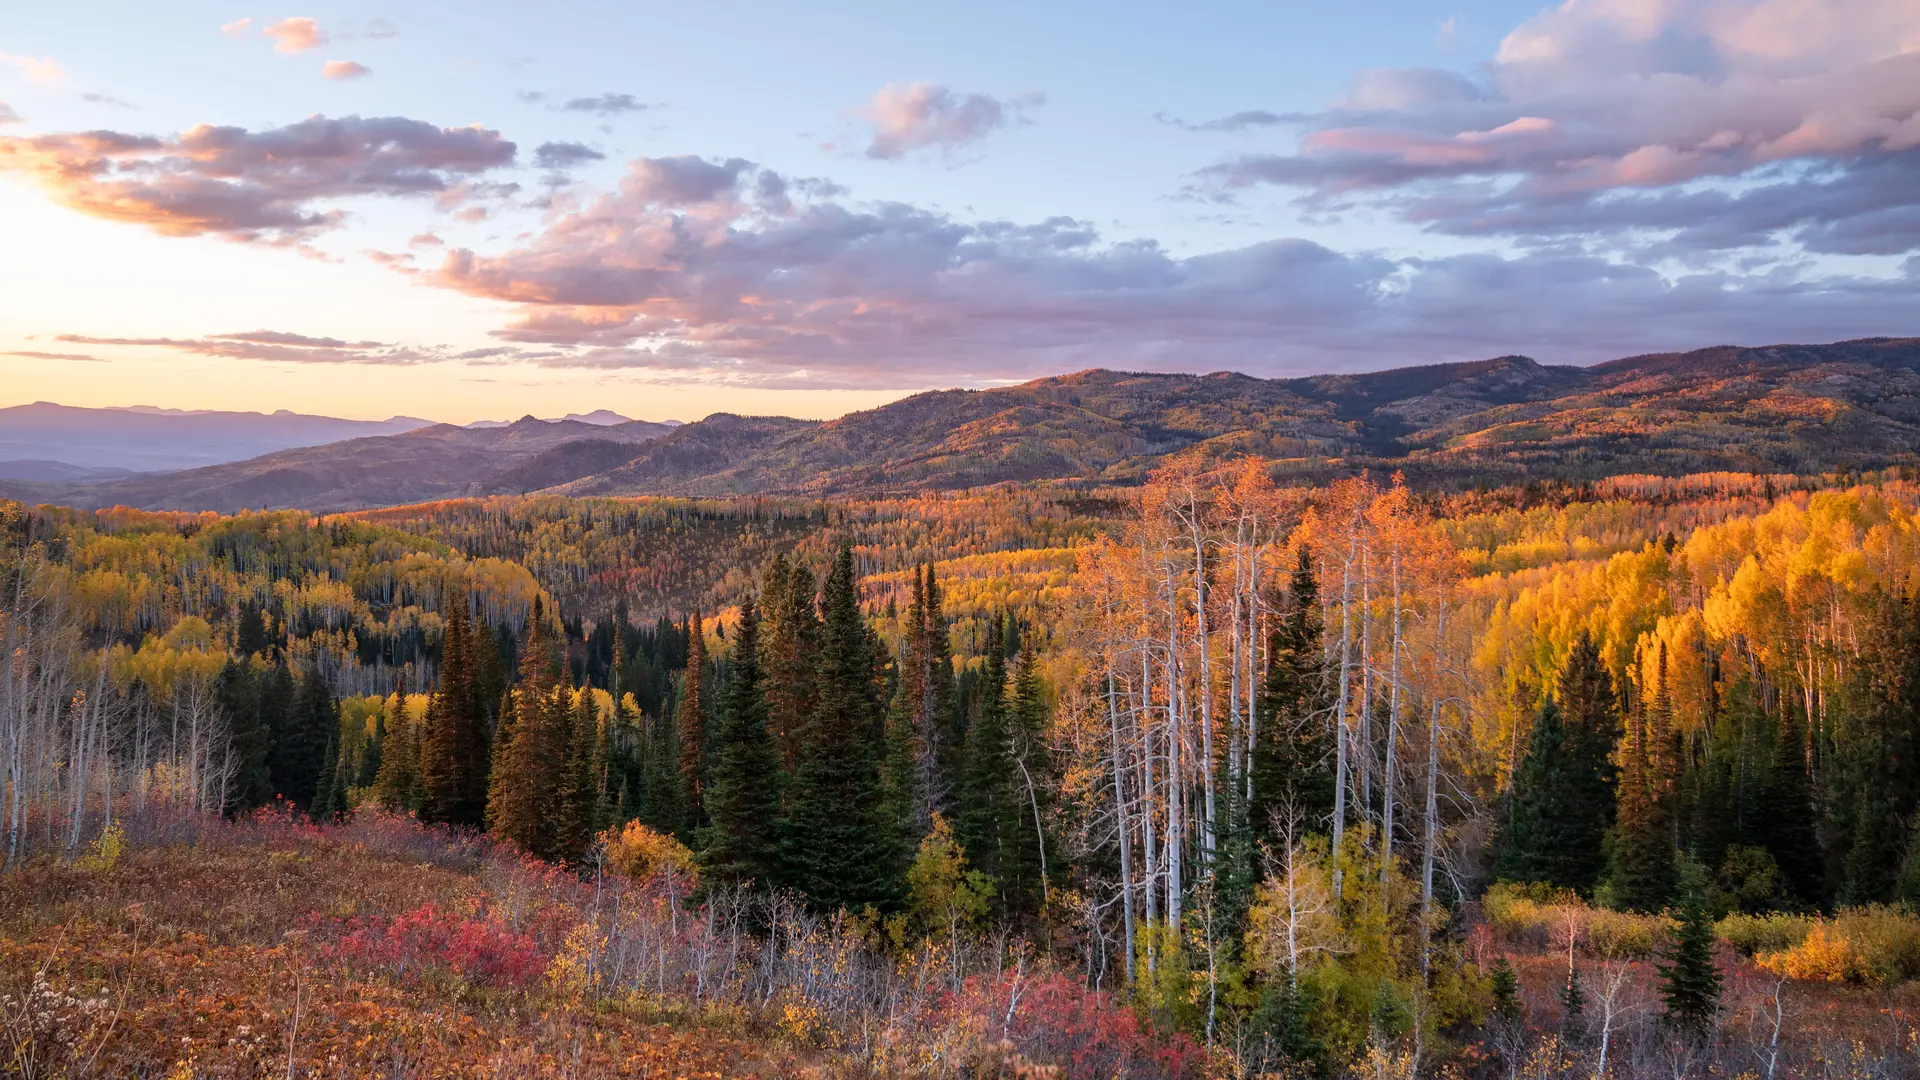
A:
640,852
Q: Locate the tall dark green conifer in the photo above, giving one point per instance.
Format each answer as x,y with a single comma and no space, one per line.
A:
690,722
248,698
1563,795
988,810
299,747
1640,849
454,750
1689,979
1292,763
841,851
743,800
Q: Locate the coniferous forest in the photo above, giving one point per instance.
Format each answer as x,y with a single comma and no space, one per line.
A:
1206,776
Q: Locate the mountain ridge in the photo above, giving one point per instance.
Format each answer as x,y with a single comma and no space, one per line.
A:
1778,408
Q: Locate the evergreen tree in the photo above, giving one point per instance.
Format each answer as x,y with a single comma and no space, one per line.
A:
580,799
1787,817
454,748
790,642
1563,798
250,701
323,807
690,721
743,800
1689,980
1024,844
1573,1006
299,748
1506,993
1292,761
531,770
1873,779
842,853
1640,849
989,811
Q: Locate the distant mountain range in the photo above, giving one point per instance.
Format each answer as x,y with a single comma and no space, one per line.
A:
146,439
1788,408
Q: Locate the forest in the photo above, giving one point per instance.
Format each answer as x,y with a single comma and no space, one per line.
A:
1209,776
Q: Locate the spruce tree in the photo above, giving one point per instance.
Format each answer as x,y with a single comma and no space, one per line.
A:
841,852
323,807
531,770
1787,815
454,749
1024,843
1689,979
397,786
1563,798
579,800
1292,762
1506,993
299,748
244,697
1573,1006
743,799
690,721
1640,849
791,641
988,811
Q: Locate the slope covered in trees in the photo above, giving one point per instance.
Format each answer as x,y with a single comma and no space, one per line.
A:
1313,776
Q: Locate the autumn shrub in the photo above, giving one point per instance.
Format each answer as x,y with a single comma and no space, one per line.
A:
432,939
1053,1019
1752,935
1623,935
1876,944
1523,914
640,852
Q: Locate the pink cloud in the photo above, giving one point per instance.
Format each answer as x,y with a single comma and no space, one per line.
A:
40,69
344,69
236,28
295,35
906,117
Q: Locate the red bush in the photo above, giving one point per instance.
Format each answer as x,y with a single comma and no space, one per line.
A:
1059,1020
429,938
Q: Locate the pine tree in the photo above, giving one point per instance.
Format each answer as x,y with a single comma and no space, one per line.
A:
299,748
579,798
1563,798
327,795
454,749
791,641
988,812
1506,993
743,799
1787,815
690,720
397,786
247,700
1689,980
842,853
1292,762
1640,849
530,770
1024,844
1573,1006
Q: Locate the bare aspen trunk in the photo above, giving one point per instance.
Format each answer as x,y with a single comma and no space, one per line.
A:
1121,827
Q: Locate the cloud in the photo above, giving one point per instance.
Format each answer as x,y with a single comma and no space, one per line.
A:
270,185
279,346
603,105
906,117
1696,125
236,28
565,155
7,115
76,357
344,69
1240,121
701,268
106,99
381,30
41,69
295,35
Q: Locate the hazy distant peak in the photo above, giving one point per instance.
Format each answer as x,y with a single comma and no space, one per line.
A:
600,417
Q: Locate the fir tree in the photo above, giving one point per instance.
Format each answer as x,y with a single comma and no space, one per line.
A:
1292,762
530,771
690,721
249,702
580,799
842,853
322,807
1689,980
743,799
397,786
1563,798
1573,1006
1640,849
791,641
1506,993
1787,819
988,810
454,749
299,748
1024,844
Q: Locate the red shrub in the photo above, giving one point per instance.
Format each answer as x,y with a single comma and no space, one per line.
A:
1059,1020
430,938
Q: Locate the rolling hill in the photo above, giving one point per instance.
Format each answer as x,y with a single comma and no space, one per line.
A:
1787,408
434,462
142,439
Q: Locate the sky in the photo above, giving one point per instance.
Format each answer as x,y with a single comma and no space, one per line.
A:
490,209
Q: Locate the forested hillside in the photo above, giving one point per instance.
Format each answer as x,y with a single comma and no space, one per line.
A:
1233,777
1791,409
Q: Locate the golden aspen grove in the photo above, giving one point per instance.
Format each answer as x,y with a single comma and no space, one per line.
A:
1207,776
